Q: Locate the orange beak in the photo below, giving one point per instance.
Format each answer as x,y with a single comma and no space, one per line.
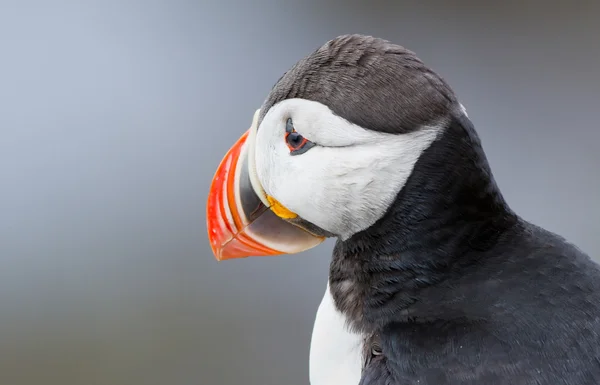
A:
240,218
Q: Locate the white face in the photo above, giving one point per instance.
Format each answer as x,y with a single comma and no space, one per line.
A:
347,181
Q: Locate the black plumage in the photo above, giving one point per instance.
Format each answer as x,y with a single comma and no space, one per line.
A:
453,287
460,290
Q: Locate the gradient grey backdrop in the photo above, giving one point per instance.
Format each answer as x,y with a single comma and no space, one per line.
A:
115,114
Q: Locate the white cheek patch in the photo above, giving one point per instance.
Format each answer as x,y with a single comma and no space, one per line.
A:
345,183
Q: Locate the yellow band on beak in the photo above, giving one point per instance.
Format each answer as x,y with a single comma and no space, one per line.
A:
280,209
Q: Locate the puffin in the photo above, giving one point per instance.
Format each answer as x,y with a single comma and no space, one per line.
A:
433,279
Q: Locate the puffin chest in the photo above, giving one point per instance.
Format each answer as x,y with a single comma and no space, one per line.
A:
336,351
341,342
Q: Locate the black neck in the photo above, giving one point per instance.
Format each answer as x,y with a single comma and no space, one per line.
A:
447,214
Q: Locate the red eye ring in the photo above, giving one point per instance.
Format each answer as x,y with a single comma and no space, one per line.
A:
295,141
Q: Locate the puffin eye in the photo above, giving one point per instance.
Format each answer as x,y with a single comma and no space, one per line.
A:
296,142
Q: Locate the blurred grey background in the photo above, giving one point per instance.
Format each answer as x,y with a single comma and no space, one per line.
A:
115,114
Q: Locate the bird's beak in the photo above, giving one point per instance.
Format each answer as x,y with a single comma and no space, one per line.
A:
241,221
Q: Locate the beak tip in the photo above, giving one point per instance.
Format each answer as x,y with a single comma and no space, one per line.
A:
216,252
215,234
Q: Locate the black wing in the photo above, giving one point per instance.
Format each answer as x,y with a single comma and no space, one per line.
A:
476,357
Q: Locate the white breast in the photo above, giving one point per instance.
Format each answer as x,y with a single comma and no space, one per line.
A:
335,352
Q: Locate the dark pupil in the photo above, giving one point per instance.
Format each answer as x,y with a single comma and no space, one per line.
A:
294,139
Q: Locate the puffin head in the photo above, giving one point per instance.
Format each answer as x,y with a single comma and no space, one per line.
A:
329,150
